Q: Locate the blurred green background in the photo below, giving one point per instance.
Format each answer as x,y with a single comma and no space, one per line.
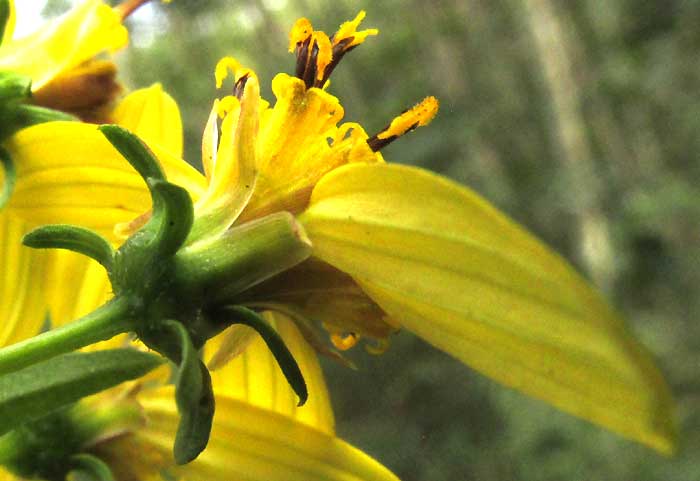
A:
581,119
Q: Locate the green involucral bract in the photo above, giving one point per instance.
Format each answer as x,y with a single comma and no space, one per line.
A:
172,295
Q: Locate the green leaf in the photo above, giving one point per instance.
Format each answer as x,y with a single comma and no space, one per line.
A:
194,398
173,214
73,238
285,359
13,86
134,151
90,468
10,175
46,386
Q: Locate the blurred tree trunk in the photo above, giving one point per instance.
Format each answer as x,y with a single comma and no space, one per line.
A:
569,129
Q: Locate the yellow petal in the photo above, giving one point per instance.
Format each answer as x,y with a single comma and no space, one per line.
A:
458,273
93,186
255,444
89,286
87,30
233,169
210,142
154,116
255,377
22,304
5,476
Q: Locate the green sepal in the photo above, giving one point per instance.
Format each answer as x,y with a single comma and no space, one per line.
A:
14,86
44,387
72,238
221,267
285,359
134,151
17,116
173,215
194,398
10,176
90,468
5,11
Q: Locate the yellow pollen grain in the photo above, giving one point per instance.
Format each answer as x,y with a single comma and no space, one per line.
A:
301,30
417,116
344,342
325,52
349,30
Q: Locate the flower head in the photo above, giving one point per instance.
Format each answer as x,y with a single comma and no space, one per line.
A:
393,246
259,430
60,58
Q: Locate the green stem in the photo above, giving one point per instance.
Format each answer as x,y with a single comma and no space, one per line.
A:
100,325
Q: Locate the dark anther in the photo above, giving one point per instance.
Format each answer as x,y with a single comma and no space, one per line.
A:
377,144
307,53
302,52
309,77
339,50
239,86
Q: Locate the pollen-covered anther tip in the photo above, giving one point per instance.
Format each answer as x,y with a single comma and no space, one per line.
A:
225,66
348,36
324,55
301,31
417,116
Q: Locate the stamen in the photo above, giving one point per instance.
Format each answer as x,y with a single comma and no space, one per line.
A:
302,53
239,86
241,75
301,31
318,55
348,35
324,55
417,116
223,67
346,39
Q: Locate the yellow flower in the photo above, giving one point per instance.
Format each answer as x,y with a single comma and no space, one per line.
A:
60,58
259,432
394,246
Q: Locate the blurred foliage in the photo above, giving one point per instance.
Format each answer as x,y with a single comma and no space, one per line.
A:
579,119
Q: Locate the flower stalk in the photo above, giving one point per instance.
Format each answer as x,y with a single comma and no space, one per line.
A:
100,325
